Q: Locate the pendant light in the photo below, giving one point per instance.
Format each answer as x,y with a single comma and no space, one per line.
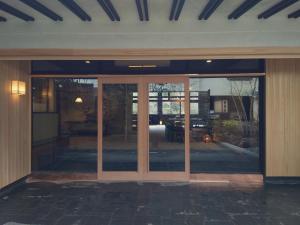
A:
78,100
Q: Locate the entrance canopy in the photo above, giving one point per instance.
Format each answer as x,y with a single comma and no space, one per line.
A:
130,24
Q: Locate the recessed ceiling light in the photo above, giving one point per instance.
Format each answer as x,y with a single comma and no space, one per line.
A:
208,60
87,61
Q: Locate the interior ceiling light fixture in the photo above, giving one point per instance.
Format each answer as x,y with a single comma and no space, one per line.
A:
209,61
142,63
78,100
87,61
142,66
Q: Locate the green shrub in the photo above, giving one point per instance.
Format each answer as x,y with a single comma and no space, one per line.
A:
231,123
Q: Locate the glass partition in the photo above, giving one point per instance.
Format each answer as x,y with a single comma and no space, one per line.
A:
224,125
64,124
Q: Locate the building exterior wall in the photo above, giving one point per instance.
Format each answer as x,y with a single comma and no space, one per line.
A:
283,118
15,123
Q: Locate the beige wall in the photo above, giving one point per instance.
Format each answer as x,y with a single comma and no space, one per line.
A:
283,117
14,124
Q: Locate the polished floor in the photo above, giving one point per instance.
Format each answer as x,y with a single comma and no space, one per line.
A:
207,158
204,203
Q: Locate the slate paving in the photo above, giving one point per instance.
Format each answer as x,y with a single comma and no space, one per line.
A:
92,203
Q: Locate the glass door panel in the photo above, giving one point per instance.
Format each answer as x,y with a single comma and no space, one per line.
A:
166,127
64,125
224,131
119,135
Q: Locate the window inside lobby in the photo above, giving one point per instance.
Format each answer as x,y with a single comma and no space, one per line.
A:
224,125
64,124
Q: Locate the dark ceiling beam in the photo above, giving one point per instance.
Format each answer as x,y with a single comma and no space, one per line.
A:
243,8
76,9
146,10
176,9
209,9
113,10
15,12
276,8
143,10
173,9
294,15
106,10
179,9
2,19
42,9
139,9
110,10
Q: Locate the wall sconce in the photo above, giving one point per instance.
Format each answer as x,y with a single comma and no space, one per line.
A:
18,87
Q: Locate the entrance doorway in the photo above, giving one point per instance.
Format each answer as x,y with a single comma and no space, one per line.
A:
147,128
142,128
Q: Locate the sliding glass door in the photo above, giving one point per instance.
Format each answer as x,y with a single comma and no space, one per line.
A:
166,126
119,127
142,128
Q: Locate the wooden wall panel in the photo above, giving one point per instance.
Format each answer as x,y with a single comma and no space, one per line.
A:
15,125
283,117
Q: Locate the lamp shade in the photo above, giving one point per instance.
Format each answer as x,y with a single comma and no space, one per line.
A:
18,87
78,100
22,88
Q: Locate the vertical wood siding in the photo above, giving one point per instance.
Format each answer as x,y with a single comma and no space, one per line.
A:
15,123
283,117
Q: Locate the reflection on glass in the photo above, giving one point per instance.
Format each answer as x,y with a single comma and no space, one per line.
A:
224,125
64,128
166,127
120,108
40,93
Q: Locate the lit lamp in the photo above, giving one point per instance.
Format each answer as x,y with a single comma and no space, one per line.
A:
78,100
18,87
206,138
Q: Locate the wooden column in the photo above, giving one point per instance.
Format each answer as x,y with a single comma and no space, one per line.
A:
283,118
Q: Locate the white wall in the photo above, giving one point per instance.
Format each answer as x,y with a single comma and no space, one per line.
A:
224,87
